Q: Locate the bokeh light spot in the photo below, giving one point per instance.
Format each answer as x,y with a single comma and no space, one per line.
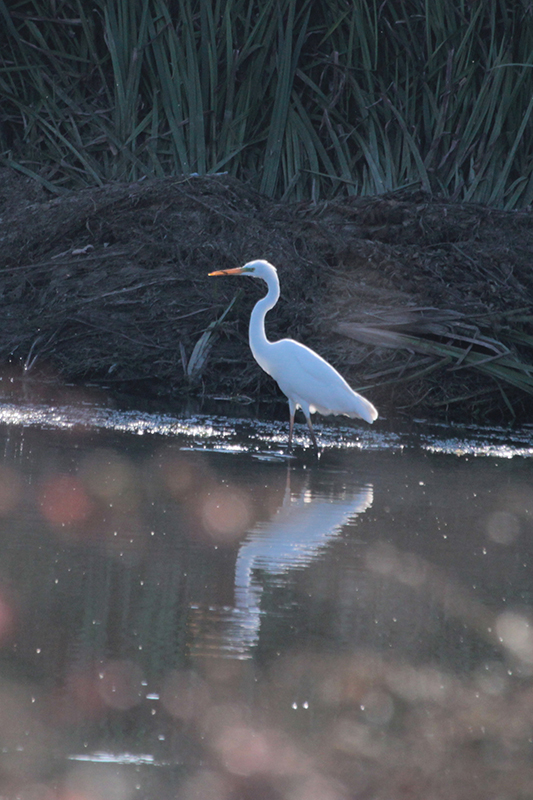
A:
503,527
205,785
243,750
184,695
63,500
226,514
516,634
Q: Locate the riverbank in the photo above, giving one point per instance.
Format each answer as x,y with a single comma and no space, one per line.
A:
424,304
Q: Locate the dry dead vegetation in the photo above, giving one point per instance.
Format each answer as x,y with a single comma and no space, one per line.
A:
426,304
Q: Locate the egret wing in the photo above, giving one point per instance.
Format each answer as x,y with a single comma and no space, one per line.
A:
309,380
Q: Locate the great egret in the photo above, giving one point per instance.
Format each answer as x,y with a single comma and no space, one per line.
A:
308,381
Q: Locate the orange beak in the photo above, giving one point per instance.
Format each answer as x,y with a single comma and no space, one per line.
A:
236,271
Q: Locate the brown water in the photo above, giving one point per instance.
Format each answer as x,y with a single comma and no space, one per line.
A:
187,612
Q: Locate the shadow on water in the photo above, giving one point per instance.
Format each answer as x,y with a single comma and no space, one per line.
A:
187,612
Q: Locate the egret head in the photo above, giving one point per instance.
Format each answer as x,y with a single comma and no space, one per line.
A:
254,269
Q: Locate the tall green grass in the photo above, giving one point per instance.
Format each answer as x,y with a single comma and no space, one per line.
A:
301,97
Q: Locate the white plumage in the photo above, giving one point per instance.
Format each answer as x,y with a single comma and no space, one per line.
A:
307,380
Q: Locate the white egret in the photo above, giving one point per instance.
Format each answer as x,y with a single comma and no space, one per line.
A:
307,380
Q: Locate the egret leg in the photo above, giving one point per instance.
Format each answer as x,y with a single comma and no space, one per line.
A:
291,426
313,437
292,411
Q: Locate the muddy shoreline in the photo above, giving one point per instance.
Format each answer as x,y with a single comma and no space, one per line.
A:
424,304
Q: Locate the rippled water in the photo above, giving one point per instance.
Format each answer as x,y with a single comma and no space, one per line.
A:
187,611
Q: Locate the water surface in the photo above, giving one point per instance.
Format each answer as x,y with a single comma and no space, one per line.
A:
186,611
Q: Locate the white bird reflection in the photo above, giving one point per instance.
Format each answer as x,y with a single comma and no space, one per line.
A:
293,538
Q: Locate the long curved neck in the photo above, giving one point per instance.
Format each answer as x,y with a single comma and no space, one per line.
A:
257,336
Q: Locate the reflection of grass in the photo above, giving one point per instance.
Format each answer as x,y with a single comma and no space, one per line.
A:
313,98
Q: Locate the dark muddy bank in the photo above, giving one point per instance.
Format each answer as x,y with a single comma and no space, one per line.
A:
425,304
